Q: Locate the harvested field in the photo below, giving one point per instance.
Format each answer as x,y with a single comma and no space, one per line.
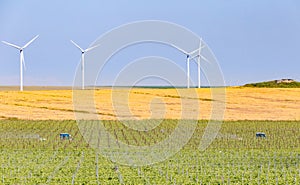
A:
145,103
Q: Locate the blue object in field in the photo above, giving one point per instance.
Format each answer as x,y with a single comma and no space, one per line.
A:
64,136
260,134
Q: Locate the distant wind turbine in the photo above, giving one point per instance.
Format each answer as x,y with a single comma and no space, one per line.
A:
191,55
22,61
199,56
83,51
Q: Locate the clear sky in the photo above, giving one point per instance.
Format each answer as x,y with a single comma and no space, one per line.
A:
252,40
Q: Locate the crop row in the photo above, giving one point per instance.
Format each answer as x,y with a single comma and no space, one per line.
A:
236,156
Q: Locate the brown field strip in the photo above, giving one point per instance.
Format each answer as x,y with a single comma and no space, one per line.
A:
241,104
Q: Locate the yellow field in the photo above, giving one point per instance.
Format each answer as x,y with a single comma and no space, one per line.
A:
241,104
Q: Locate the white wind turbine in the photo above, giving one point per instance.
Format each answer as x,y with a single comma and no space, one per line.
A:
191,55
83,51
199,56
22,61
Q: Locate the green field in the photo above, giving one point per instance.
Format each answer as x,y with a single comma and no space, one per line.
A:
236,156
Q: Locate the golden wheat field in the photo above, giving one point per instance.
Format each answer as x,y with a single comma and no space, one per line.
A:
145,103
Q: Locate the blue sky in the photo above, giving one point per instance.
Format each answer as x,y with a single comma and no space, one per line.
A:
252,40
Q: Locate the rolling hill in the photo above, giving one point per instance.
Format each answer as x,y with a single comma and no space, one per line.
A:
283,83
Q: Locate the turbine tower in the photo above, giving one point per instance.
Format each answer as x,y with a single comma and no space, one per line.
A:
190,56
199,56
83,51
22,61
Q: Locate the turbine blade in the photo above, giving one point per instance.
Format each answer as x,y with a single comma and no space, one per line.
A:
15,46
89,49
194,51
181,50
77,46
30,41
205,58
200,47
194,59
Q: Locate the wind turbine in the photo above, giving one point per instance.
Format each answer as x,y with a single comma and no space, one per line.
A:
189,56
22,61
83,51
199,56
